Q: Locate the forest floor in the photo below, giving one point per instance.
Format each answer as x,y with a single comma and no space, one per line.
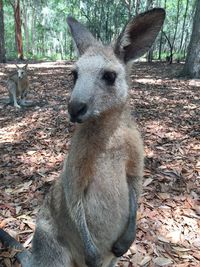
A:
34,141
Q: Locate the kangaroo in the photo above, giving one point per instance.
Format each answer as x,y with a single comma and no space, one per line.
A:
18,85
89,216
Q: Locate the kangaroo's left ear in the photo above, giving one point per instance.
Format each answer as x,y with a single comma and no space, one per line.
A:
139,34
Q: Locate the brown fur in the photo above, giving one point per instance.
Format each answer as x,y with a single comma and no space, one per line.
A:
18,86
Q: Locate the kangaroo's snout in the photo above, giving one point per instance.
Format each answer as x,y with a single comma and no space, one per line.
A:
77,110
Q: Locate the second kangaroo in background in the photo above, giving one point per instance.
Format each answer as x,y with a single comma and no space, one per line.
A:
18,85
89,216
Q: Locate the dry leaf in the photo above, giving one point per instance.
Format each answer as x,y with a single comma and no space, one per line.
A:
161,261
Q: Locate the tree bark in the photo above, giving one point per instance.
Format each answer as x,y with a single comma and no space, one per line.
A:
149,56
183,28
25,4
18,33
192,64
170,57
161,37
137,7
128,4
2,40
32,32
176,25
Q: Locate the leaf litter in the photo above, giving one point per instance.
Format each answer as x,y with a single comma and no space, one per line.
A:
35,140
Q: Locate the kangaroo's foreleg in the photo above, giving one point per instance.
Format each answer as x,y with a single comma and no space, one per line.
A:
23,96
76,213
124,242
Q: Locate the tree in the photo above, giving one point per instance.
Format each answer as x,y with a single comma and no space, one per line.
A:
25,7
149,5
18,32
192,64
137,6
183,28
2,41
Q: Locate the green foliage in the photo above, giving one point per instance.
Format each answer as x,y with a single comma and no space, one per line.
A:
45,33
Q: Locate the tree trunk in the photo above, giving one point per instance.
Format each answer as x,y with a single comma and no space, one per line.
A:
128,4
183,28
25,25
161,38
149,56
2,40
137,6
192,64
176,25
18,32
170,57
33,32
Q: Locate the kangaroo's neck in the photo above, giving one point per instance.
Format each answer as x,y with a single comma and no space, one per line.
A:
99,130
90,140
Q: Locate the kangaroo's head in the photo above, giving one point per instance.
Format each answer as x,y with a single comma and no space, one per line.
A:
21,71
100,83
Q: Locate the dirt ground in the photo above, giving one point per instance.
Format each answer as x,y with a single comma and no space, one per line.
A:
34,141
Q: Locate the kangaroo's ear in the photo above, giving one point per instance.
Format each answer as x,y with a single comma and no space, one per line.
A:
81,35
17,66
25,67
139,34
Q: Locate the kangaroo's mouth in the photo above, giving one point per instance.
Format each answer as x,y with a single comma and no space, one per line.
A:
78,120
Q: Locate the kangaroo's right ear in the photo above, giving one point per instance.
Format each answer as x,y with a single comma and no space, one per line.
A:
17,66
81,35
25,67
139,34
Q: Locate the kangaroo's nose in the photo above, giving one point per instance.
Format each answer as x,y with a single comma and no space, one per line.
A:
77,110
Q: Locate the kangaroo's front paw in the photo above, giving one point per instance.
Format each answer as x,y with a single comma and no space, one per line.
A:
119,250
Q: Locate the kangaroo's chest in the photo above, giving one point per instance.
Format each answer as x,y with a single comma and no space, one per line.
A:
22,85
106,198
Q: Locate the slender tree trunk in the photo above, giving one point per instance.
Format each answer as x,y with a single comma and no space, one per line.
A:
149,4
128,4
2,40
192,64
149,57
137,6
25,25
18,32
169,58
33,32
183,28
161,38
176,25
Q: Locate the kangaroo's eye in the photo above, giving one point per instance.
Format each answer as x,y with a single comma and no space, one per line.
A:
109,77
75,75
